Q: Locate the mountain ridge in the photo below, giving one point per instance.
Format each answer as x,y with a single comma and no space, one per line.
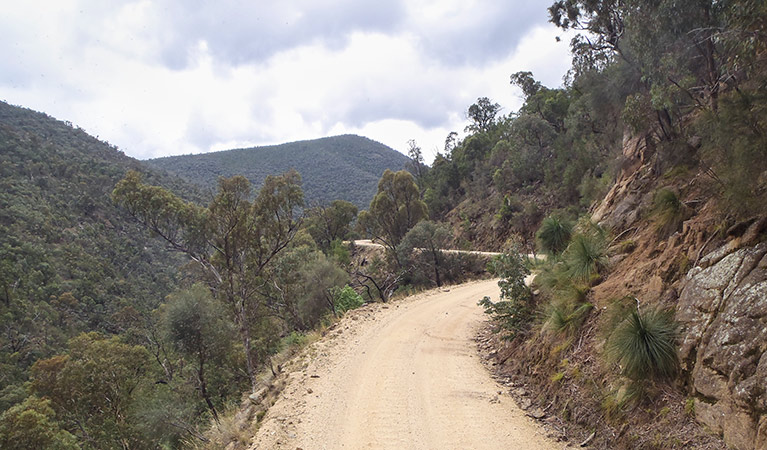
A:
359,160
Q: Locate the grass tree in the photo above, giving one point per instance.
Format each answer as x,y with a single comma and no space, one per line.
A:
554,235
643,344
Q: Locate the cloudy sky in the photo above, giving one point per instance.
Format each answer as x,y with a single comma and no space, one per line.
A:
167,77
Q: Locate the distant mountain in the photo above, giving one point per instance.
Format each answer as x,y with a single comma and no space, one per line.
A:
344,167
70,260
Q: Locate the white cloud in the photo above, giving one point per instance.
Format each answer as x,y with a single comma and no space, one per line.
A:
105,68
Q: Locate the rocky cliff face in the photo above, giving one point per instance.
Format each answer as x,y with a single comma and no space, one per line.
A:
714,275
723,312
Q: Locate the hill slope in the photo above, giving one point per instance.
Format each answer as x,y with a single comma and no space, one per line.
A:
341,167
70,260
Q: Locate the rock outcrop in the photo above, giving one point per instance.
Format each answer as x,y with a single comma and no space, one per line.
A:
722,308
721,302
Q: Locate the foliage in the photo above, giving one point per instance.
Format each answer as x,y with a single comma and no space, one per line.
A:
394,210
667,211
643,344
735,149
586,256
416,164
554,235
330,223
70,261
346,299
514,309
320,279
334,168
32,424
294,340
482,114
421,250
565,317
93,386
233,241
700,69
196,326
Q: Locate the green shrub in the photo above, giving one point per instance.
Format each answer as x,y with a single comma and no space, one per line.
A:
586,256
667,211
553,277
510,205
735,148
565,317
346,299
643,344
514,311
554,235
294,340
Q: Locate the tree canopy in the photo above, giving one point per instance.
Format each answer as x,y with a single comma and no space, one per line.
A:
395,209
233,240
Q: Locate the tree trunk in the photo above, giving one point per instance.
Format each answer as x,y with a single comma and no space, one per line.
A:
204,386
245,335
436,266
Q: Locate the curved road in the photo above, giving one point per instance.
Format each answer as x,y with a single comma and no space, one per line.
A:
400,376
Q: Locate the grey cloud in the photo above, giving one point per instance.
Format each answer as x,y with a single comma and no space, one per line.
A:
493,34
424,110
241,32
422,101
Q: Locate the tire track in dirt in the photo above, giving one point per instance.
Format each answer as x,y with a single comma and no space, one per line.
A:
401,376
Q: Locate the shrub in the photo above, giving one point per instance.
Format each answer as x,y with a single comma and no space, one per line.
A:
643,344
667,211
586,256
294,340
565,317
554,235
514,310
553,277
510,205
346,299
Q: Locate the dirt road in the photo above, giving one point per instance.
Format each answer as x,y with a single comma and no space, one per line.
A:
400,376
369,243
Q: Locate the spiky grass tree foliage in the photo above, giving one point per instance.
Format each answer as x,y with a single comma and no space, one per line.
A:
643,344
554,235
668,212
565,317
586,256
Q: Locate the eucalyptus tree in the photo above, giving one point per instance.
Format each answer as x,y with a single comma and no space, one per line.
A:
233,241
394,210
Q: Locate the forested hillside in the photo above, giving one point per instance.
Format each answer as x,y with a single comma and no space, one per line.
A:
334,168
71,261
75,272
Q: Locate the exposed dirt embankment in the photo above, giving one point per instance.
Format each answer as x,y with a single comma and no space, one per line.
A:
400,375
712,272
